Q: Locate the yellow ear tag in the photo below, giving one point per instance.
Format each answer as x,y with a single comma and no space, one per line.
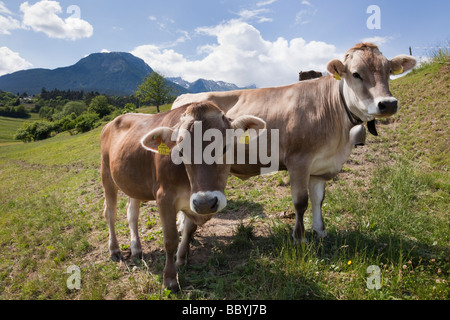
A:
337,76
398,71
163,149
245,138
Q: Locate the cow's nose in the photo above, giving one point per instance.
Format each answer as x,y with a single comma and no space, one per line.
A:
206,205
388,106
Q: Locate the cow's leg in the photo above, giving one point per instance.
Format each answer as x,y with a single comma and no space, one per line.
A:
109,213
317,194
168,214
183,248
133,219
299,189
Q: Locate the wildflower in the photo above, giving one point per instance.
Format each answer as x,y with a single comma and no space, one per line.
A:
349,262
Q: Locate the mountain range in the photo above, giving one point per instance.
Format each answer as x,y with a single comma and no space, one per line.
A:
202,85
112,73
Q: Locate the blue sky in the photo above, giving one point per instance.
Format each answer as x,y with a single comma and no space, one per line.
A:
262,42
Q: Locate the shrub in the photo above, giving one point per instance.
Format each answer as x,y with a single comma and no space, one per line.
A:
86,122
67,123
38,130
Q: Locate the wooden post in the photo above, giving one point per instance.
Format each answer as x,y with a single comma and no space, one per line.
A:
410,52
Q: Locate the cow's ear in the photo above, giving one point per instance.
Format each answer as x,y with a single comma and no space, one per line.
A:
248,122
253,127
402,63
336,68
158,138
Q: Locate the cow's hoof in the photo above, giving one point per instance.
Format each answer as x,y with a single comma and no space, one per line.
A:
172,285
181,263
116,256
136,256
322,234
300,241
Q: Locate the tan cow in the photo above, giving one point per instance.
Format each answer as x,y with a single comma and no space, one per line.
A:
137,152
319,121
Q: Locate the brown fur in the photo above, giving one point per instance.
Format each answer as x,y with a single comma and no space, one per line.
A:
128,164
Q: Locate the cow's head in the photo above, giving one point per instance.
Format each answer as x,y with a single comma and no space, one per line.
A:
199,141
365,73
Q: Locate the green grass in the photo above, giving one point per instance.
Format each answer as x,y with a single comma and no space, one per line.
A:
8,128
388,208
399,224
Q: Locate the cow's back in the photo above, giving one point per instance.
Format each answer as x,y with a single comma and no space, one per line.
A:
304,113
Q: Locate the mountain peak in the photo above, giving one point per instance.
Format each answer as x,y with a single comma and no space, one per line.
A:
114,62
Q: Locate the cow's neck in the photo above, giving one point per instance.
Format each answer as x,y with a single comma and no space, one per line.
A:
353,119
351,116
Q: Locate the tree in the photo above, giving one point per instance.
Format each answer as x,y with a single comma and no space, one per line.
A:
154,89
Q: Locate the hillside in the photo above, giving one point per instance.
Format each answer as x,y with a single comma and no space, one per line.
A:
115,73
387,208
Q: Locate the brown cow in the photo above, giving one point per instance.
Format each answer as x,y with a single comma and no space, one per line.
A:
318,120
131,162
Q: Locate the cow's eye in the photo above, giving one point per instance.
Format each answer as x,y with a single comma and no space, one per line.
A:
357,76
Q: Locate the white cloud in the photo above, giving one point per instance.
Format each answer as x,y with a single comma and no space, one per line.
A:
254,15
4,9
43,16
248,14
11,61
242,56
265,3
168,26
7,22
304,16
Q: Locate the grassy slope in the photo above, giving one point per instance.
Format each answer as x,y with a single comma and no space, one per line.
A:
9,126
389,208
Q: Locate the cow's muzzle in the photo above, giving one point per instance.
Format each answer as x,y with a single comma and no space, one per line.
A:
207,202
385,108
388,107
